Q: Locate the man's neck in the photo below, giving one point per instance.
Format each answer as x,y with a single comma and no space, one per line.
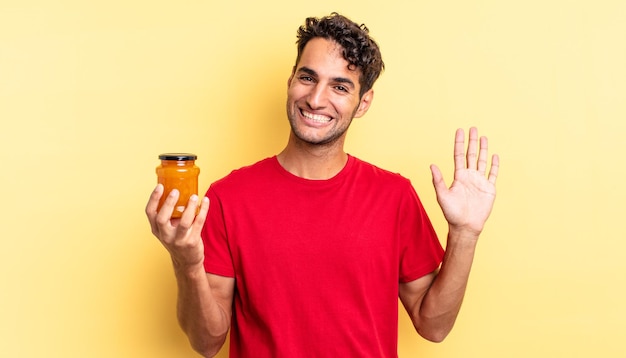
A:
312,161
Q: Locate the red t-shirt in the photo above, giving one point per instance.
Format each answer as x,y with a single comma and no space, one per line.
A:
317,263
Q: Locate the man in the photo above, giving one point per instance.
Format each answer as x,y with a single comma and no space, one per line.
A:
305,253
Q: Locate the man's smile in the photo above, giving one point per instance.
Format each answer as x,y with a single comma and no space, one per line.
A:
318,118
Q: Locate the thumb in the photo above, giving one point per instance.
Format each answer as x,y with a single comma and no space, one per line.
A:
438,182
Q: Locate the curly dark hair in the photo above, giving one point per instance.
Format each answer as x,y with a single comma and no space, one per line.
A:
359,49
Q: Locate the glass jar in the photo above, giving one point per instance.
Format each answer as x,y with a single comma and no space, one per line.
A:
178,171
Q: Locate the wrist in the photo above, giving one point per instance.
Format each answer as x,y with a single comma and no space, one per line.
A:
188,269
462,235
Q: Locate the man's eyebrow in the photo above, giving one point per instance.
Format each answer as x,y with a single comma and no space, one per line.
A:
308,71
344,80
312,72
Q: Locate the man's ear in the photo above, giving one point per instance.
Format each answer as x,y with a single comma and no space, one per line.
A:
364,104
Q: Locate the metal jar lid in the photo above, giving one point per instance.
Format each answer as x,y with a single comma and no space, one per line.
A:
178,156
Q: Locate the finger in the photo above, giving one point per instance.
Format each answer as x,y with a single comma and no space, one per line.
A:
151,208
459,150
201,217
482,155
164,215
438,181
186,220
472,148
495,167
153,202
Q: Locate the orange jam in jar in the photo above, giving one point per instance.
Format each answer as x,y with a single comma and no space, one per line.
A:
178,171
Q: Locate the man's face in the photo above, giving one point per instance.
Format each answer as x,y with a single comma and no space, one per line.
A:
323,94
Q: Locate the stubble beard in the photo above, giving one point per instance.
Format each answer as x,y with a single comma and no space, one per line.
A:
330,139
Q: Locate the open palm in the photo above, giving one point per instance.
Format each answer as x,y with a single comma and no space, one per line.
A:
467,203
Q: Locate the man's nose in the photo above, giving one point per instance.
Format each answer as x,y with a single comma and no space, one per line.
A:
318,97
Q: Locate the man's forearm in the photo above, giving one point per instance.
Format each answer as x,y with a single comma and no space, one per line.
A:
200,315
442,302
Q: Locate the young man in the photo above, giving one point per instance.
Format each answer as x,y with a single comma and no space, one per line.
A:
305,254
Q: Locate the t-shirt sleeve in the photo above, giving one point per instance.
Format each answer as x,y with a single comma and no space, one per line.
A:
217,253
420,250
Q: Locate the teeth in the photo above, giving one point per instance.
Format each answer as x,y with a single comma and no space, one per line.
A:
316,117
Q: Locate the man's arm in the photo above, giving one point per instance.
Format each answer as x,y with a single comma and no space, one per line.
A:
204,308
433,301
204,301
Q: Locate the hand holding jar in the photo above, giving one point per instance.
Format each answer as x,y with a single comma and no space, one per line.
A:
175,215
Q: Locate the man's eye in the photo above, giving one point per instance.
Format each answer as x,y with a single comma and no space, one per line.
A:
342,88
306,78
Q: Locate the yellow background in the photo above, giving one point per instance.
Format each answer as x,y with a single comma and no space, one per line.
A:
92,91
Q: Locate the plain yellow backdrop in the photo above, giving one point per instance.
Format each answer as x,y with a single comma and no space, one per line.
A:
91,92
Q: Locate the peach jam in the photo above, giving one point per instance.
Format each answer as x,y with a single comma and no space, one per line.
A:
178,171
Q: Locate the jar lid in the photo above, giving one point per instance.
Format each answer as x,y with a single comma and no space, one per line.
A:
178,156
